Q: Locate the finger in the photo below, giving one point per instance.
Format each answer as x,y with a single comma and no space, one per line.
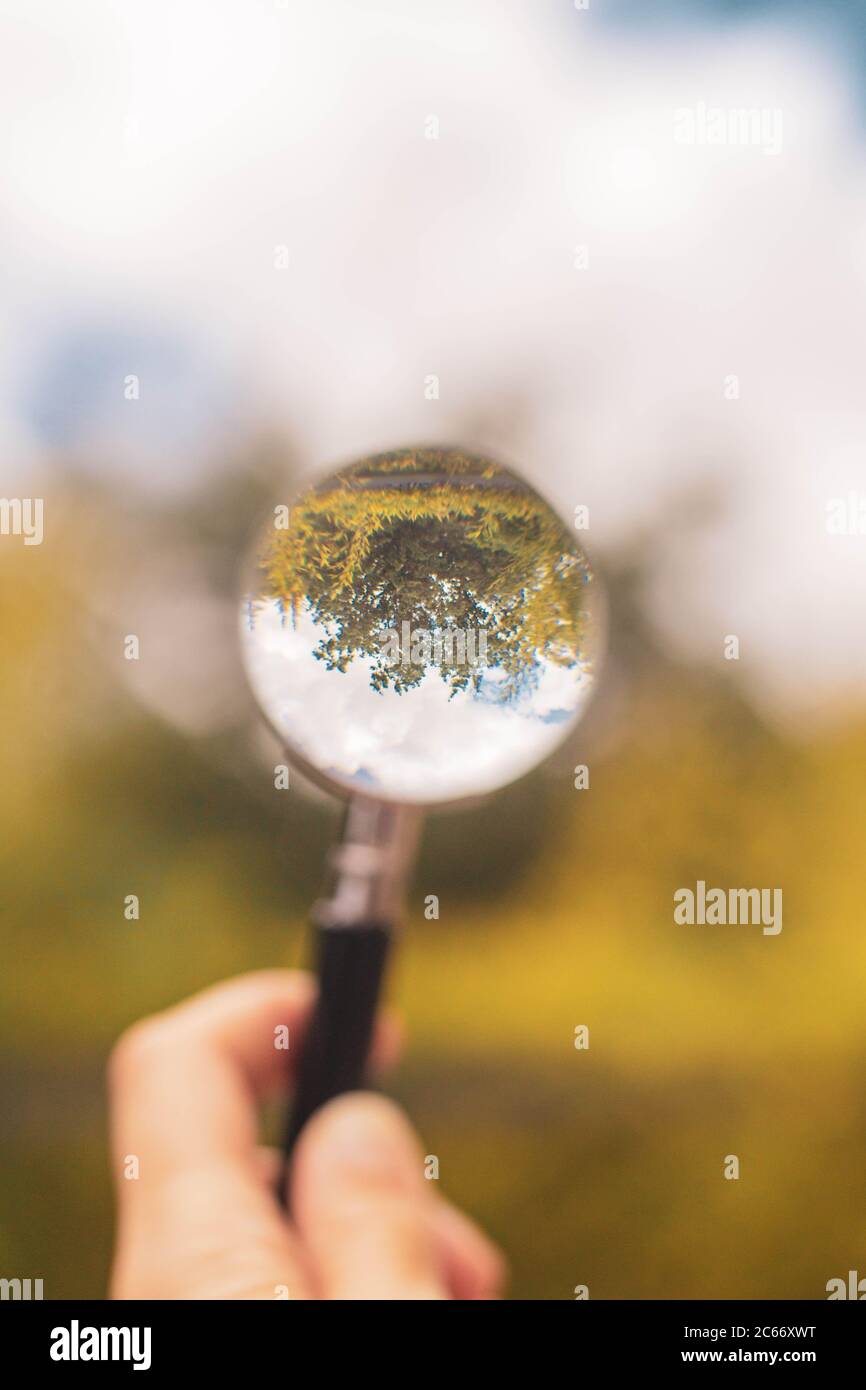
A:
362,1206
184,1087
194,1217
269,1162
184,1083
475,1268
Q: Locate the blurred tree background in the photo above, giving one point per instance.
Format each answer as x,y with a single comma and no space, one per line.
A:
601,1167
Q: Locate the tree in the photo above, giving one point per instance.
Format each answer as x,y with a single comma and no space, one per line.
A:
441,540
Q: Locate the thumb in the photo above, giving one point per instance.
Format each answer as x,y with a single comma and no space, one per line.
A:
361,1203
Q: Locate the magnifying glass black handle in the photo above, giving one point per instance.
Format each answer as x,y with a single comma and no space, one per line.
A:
350,967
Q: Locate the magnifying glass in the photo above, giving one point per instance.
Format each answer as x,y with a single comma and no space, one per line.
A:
419,629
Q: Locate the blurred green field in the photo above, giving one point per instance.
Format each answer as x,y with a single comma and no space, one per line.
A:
601,1167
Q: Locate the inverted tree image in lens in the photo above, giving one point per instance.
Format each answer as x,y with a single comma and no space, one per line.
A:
421,626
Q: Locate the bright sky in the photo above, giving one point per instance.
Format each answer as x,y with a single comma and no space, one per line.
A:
159,159
418,746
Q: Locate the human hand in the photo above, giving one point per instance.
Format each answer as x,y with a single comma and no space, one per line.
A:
202,1221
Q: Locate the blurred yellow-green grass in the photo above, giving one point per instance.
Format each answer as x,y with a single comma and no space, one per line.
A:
601,1167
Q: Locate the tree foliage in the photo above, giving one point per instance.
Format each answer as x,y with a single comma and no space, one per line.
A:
442,541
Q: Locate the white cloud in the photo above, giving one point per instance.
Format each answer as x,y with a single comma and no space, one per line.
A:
416,746
154,155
